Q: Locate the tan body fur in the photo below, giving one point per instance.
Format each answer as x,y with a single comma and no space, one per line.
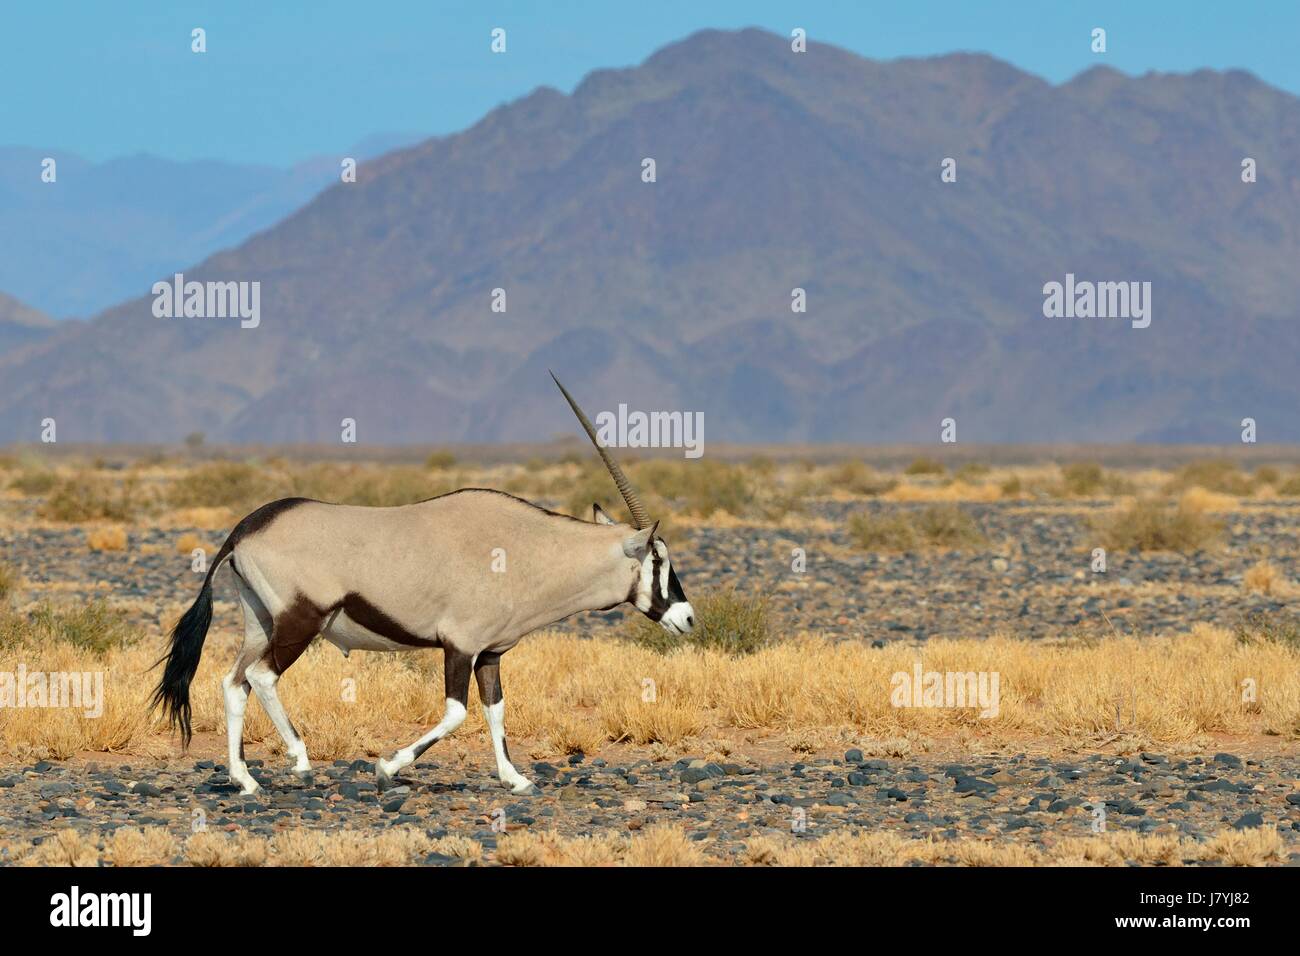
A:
434,568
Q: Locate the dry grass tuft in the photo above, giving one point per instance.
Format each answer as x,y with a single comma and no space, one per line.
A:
1263,577
1200,501
189,542
951,492
131,846
658,846
110,537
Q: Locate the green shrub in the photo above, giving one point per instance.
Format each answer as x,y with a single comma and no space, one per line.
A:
374,487
947,526
440,461
227,484
1274,629
92,498
858,478
1267,475
93,626
924,466
938,526
1082,478
1148,525
8,580
724,621
592,485
1218,475
34,481
883,532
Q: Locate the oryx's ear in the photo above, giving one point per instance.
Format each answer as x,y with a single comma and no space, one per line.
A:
598,515
636,545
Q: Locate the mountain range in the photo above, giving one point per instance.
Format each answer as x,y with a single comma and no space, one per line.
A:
114,227
773,171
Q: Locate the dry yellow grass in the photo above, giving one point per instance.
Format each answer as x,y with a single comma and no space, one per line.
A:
1235,848
955,491
205,519
1200,501
661,846
1264,577
106,538
581,694
188,542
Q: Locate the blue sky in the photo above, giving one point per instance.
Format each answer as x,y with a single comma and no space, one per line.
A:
286,79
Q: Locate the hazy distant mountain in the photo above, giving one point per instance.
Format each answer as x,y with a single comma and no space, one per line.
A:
775,170
103,232
21,325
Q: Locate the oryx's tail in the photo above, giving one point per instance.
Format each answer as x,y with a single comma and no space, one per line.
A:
182,659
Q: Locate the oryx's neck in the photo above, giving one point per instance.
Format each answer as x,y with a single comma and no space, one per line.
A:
589,572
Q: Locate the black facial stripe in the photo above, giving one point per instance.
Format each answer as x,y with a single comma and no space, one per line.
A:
657,603
675,592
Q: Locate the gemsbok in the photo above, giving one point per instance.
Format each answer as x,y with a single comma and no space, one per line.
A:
416,576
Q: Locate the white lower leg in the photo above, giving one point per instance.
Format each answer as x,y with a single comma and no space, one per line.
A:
495,715
452,718
264,680
236,697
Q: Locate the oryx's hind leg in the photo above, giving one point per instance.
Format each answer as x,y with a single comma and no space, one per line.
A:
293,630
235,686
487,669
456,670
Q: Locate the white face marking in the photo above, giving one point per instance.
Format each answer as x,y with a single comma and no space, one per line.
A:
679,618
643,595
661,549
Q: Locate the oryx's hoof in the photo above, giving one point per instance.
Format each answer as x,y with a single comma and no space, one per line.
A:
303,776
524,788
382,779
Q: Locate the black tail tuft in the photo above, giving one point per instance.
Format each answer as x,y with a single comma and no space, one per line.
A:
182,660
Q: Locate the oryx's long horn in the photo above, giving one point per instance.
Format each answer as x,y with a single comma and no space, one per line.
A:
639,516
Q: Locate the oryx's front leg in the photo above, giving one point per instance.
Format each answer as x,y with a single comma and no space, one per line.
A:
456,669
487,669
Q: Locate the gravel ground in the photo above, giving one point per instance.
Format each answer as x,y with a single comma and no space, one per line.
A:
1031,800
1032,579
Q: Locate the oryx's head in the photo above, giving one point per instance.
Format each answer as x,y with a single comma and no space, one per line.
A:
655,590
